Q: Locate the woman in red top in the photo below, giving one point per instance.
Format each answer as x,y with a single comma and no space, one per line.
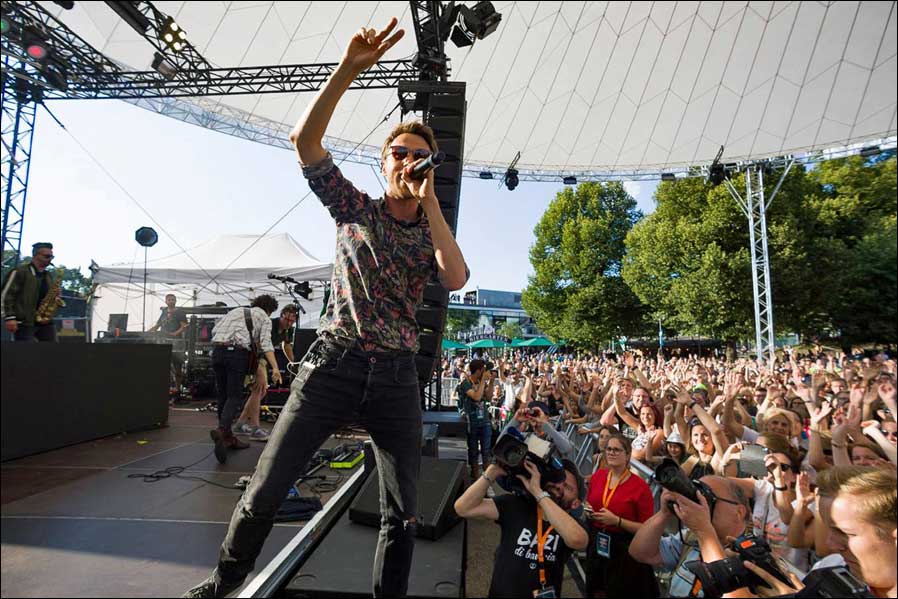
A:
618,503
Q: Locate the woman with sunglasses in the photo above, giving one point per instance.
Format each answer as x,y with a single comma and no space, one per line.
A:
618,502
774,496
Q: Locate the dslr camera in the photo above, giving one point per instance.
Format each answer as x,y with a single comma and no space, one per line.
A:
722,576
513,448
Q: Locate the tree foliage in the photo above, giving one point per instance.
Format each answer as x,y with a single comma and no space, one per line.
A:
831,242
459,321
577,292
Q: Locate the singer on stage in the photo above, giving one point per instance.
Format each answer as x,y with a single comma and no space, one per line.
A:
361,369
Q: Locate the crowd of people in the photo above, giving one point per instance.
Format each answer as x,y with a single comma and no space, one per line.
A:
800,453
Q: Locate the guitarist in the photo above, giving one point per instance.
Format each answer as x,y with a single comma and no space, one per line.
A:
238,340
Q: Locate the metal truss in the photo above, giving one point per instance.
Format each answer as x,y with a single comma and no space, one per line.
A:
431,32
754,206
17,132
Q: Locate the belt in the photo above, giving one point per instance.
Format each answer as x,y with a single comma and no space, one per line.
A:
229,346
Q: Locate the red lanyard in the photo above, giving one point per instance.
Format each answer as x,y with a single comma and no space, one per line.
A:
541,543
608,493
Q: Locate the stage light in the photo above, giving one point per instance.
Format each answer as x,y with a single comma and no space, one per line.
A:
569,180
303,290
173,36
35,44
5,25
146,236
716,174
486,175
870,151
163,67
668,177
131,15
511,179
475,23
66,4
36,51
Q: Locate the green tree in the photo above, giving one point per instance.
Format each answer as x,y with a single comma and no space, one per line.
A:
512,330
828,241
576,291
459,321
75,282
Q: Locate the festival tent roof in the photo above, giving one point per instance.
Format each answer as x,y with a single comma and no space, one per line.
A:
239,264
487,344
449,344
576,87
233,261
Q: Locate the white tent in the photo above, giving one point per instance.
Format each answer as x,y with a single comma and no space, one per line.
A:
231,269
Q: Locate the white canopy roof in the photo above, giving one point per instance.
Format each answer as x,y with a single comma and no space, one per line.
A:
577,86
253,258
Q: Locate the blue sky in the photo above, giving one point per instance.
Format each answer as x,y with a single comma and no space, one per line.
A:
198,184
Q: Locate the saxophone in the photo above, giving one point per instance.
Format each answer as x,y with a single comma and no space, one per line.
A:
52,301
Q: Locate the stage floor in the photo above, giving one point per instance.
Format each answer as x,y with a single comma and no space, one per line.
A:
76,524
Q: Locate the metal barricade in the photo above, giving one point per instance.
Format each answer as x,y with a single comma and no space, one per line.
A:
447,398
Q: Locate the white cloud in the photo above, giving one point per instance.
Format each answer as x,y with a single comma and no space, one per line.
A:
633,188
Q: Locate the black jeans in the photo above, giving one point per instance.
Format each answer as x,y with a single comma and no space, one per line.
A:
337,387
38,332
230,366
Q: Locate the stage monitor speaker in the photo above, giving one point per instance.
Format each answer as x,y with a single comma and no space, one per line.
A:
439,485
430,441
304,339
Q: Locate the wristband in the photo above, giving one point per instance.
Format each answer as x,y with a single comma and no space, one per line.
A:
780,488
488,479
542,496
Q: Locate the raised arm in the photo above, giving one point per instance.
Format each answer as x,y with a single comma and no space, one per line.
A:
365,48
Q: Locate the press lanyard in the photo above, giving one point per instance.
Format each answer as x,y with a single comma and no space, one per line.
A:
608,493
540,543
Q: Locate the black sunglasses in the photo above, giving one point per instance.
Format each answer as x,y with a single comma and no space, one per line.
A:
711,497
783,467
401,152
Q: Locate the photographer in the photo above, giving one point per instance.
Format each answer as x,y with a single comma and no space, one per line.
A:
474,396
722,511
863,528
538,533
534,417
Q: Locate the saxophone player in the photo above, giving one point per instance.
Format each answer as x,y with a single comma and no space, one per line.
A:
24,290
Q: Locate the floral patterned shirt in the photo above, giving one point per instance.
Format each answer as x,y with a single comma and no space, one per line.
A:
380,269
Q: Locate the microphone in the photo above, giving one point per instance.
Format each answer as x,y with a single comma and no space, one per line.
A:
431,162
283,279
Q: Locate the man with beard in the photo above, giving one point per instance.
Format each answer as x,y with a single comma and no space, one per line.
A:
539,532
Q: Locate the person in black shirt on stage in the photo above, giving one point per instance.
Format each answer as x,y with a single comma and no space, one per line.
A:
538,532
172,323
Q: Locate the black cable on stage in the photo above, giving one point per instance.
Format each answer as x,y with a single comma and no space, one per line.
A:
175,472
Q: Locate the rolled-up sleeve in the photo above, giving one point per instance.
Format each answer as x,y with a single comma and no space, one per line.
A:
344,202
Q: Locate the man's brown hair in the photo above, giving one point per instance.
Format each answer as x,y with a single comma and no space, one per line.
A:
414,127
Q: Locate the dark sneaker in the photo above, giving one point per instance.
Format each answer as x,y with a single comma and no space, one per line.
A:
211,588
221,447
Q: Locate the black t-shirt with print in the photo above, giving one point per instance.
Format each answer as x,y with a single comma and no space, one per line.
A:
516,570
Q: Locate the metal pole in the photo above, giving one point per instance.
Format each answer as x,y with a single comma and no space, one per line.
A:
751,206
143,327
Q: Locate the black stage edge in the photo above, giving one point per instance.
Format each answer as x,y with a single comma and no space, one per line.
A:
452,424
342,565
80,392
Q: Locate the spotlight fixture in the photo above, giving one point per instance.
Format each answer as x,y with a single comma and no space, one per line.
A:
5,25
173,36
35,44
475,23
716,172
164,67
485,175
66,4
870,151
131,15
511,178
569,180
304,290
668,177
